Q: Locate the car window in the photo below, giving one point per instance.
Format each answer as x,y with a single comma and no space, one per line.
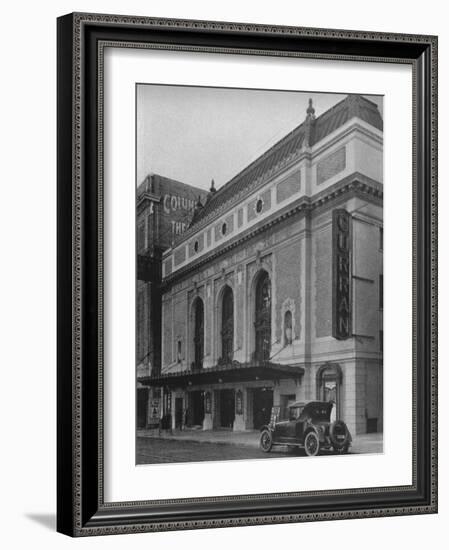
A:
295,412
318,413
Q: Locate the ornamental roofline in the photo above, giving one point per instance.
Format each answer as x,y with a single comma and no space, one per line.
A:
353,107
355,183
312,130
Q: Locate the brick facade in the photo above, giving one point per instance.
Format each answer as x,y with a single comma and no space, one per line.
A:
280,231
164,210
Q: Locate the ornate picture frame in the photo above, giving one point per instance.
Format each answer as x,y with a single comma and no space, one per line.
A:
81,507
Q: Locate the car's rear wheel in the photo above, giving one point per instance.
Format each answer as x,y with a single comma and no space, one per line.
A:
266,441
312,444
339,436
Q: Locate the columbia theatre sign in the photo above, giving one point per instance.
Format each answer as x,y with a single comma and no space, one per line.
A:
341,274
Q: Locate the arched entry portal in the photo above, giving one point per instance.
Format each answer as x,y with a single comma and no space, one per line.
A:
328,383
195,408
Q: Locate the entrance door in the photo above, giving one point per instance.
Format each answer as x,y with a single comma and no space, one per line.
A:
142,407
195,412
262,405
227,408
329,384
178,412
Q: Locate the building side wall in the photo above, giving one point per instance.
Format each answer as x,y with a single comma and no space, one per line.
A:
358,149
164,210
296,251
322,289
307,293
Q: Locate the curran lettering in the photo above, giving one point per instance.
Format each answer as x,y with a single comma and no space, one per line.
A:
341,277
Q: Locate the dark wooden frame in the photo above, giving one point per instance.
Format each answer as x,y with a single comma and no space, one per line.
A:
81,509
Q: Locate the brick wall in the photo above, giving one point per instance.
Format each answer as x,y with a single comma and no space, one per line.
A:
167,334
323,282
288,286
331,165
287,187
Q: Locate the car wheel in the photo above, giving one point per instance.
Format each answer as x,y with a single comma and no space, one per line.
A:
312,444
339,436
266,441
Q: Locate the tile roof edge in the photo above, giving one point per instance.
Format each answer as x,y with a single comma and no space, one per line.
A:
278,144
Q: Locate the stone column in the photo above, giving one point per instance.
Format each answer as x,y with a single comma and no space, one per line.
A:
208,410
348,396
239,421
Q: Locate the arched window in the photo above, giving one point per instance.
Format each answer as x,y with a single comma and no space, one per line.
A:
288,337
198,339
262,322
328,382
227,325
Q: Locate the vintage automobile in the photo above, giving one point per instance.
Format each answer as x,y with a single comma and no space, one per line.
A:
309,426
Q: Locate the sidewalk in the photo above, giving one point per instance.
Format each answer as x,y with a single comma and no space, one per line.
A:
366,443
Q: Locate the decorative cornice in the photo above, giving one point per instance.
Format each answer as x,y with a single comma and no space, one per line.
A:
144,199
148,196
282,167
257,184
354,124
355,184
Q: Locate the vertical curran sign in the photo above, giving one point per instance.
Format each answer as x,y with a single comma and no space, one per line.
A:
341,274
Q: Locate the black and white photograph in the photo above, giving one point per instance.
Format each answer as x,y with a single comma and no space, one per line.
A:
217,331
259,262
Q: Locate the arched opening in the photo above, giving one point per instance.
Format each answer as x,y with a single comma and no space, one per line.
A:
288,331
195,408
198,338
329,380
227,325
262,323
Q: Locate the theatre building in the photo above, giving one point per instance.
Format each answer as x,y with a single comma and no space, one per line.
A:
164,211
274,293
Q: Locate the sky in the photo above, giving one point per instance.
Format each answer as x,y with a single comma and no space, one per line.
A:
193,134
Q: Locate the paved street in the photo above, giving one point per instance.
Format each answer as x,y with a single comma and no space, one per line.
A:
201,445
154,450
